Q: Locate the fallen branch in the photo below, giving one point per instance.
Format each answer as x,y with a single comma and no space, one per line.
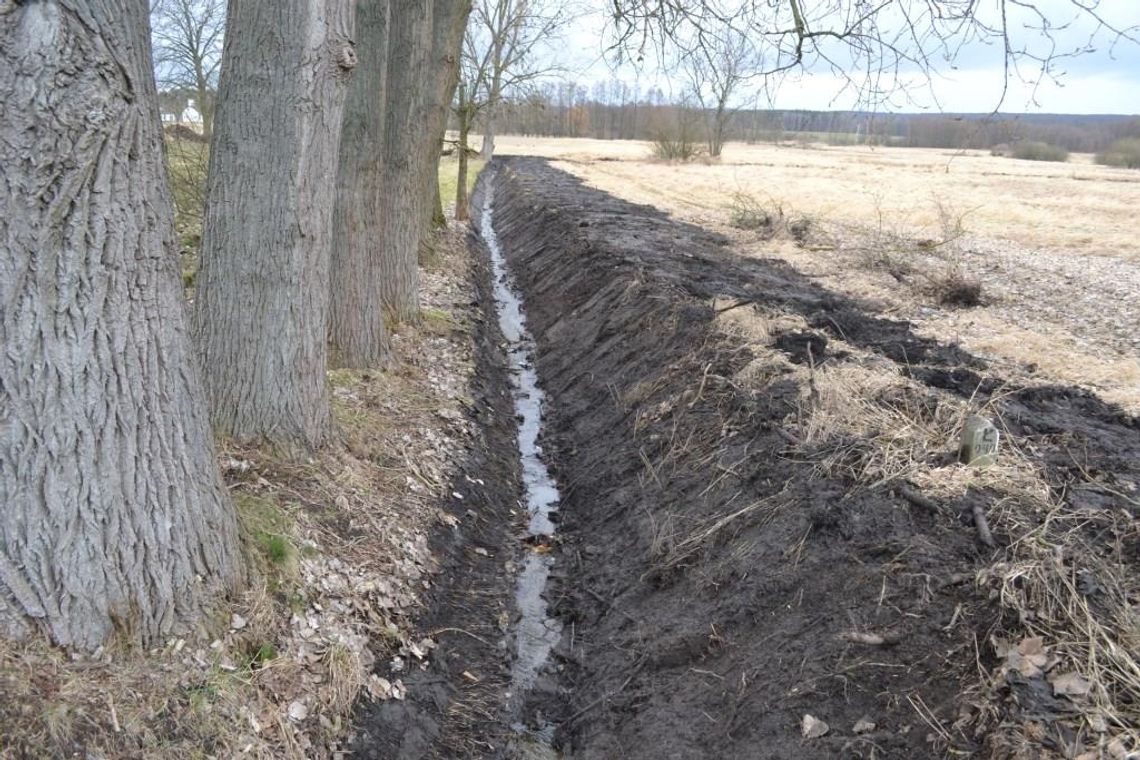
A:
737,305
983,527
918,500
789,437
871,639
437,631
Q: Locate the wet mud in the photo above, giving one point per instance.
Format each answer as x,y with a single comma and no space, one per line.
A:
706,577
711,579
457,705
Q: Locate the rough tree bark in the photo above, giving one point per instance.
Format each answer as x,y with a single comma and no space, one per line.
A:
402,218
449,21
357,335
261,317
438,217
424,55
463,116
113,515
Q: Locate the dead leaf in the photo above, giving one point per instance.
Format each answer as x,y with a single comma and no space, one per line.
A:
379,688
1118,749
812,727
1070,684
1029,658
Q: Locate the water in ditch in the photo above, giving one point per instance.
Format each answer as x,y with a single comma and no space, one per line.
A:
537,633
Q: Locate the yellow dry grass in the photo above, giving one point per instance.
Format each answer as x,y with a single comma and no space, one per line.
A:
864,420
1076,206
863,197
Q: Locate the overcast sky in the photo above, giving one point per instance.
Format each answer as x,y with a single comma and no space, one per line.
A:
1102,81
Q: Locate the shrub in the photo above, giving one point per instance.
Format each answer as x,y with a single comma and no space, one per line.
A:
747,213
183,132
954,288
1039,151
1124,153
676,147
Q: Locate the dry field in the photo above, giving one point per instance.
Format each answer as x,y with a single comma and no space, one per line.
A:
1052,244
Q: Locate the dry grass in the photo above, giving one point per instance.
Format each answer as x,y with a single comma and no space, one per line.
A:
863,420
1080,207
338,544
890,225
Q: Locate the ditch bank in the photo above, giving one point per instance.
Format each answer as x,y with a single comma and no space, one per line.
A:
736,568
726,589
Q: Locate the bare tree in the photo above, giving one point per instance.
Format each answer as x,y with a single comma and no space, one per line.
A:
716,69
357,334
878,49
409,51
114,518
261,314
499,48
187,39
423,46
450,23
465,110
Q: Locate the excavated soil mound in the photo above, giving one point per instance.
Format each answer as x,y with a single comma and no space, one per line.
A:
722,594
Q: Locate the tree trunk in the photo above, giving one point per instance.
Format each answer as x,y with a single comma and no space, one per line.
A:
357,333
402,216
463,114
113,516
204,110
261,317
488,151
438,218
449,21
423,49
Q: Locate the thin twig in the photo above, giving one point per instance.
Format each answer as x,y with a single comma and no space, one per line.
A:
481,640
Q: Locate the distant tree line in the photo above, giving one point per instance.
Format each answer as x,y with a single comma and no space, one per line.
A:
617,110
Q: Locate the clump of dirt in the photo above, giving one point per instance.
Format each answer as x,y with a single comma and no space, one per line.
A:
803,346
751,569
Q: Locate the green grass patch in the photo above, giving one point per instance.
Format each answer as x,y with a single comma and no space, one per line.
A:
438,322
268,532
449,176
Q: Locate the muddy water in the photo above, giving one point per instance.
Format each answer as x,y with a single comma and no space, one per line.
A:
537,633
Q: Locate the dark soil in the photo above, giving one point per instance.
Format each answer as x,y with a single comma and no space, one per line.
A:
446,714
712,580
708,578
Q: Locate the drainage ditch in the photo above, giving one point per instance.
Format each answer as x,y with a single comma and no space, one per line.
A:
706,586
536,632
